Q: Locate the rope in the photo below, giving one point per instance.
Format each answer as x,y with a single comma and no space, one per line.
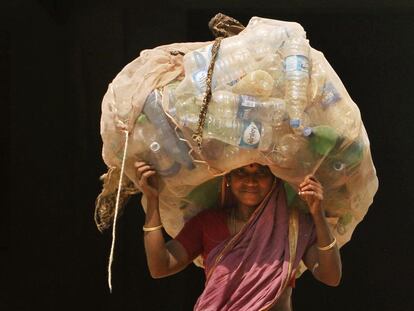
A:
111,256
198,135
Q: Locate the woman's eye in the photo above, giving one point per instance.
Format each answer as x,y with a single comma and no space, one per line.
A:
240,173
262,173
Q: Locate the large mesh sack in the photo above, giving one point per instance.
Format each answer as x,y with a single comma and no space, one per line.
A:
274,100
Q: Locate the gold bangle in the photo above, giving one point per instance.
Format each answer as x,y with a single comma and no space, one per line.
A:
328,247
315,266
148,229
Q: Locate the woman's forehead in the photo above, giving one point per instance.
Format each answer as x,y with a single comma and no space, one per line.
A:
253,167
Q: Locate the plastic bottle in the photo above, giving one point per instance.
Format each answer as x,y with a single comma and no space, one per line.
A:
244,121
272,111
195,66
256,83
265,39
166,133
234,60
145,145
287,149
230,67
224,104
296,60
243,133
188,111
143,134
338,114
164,165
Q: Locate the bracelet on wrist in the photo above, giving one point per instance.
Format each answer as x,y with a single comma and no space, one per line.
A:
327,247
149,229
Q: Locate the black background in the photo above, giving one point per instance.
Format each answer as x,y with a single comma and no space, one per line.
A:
57,59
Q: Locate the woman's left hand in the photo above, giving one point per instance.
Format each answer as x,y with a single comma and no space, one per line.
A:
311,191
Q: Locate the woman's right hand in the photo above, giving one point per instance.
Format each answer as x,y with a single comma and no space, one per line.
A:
147,179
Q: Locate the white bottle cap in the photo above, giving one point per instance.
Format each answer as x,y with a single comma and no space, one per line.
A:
155,146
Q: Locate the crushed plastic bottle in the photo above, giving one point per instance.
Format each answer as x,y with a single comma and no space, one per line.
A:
165,165
143,134
145,145
166,133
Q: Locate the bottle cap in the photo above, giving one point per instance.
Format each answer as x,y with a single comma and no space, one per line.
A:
307,131
338,166
294,123
155,146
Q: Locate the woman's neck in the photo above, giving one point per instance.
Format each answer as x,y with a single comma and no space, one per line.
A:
243,212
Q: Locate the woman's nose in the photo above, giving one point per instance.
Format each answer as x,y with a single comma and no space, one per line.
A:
250,180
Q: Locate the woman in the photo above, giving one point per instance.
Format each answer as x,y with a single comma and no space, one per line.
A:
251,247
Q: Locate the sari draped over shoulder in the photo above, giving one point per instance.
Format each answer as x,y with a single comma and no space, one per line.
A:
250,270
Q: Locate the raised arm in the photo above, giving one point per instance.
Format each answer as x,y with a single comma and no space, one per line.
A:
163,259
322,258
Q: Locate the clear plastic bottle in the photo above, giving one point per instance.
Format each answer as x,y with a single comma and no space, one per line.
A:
188,111
296,60
265,39
229,68
234,60
272,111
165,165
288,150
196,66
255,83
243,133
142,135
224,104
165,132
144,144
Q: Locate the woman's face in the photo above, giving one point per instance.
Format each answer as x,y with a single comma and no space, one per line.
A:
250,184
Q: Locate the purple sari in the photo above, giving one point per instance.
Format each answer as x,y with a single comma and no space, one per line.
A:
250,270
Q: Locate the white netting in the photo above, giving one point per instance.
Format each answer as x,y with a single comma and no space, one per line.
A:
275,101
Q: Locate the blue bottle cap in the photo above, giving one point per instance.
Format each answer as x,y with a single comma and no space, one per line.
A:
307,131
294,123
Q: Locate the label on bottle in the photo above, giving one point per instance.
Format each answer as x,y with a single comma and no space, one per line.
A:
246,107
296,63
251,134
232,83
329,95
